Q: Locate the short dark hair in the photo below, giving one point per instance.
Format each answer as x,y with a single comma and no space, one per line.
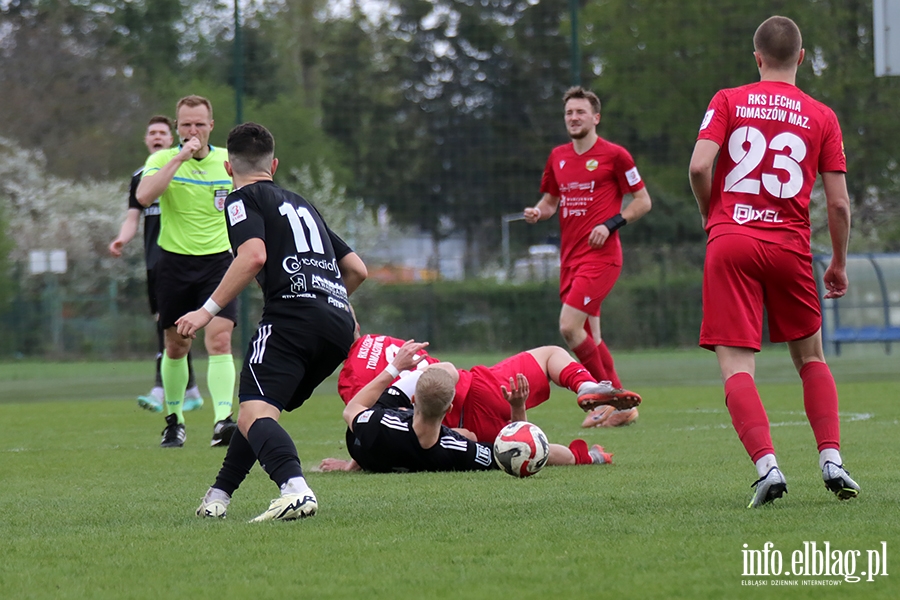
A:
578,92
778,40
251,148
161,119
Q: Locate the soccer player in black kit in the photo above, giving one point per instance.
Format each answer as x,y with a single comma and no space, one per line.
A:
306,273
387,433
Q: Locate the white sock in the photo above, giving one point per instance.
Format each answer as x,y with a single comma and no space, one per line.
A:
830,454
295,485
217,494
765,464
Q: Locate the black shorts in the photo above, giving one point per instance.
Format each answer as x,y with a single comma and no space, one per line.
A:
184,283
151,291
283,365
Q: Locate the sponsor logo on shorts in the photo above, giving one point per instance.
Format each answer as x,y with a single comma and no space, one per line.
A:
744,213
587,300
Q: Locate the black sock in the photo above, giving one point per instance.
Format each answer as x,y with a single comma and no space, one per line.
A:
275,450
238,461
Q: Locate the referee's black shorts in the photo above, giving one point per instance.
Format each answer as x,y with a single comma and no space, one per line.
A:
283,365
184,283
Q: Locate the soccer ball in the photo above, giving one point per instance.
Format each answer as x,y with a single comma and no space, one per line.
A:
521,449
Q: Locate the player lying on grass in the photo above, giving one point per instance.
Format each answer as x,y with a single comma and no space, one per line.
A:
478,405
400,427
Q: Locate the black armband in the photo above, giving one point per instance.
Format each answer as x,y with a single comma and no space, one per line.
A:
616,222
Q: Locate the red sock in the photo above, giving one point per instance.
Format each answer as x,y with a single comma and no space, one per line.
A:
587,354
580,449
606,360
748,415
820,399
573,375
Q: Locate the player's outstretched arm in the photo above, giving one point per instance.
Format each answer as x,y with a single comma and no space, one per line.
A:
406,359
353,271
516,395
543,210
838,201
250,259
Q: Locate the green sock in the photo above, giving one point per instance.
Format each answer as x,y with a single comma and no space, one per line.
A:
175,377
220,380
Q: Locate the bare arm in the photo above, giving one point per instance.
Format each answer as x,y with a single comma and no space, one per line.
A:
126,232
353,271
638,207
153,186
251,256
543,210
838,202
407,358
701,172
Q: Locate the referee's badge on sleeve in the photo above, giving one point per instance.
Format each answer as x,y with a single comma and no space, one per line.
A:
237,213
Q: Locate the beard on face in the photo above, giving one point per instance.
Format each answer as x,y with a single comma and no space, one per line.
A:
581,134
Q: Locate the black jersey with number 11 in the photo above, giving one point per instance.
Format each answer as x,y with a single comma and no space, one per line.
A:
300,281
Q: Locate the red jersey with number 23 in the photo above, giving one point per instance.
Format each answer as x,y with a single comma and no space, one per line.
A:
590,187
773,140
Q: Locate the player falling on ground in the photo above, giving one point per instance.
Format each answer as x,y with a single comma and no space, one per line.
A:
585,182
306,273
771,139
371,354
400,427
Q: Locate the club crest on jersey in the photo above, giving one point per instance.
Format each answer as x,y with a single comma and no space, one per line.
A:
591,165
219,199
237,213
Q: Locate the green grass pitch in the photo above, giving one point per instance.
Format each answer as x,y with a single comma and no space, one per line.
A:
91,507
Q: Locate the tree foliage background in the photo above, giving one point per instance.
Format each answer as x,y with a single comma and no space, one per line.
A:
441,111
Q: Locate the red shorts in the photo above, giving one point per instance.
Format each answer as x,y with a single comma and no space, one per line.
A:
741,275
584,287
484,411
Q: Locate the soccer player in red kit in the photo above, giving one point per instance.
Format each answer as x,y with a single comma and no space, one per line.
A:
771,140
479,405
585,181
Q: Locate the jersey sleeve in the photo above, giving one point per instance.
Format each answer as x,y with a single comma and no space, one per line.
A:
245,221
627,175
549,185
468,455
715,120
156,161
832,157
341,248
132,192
